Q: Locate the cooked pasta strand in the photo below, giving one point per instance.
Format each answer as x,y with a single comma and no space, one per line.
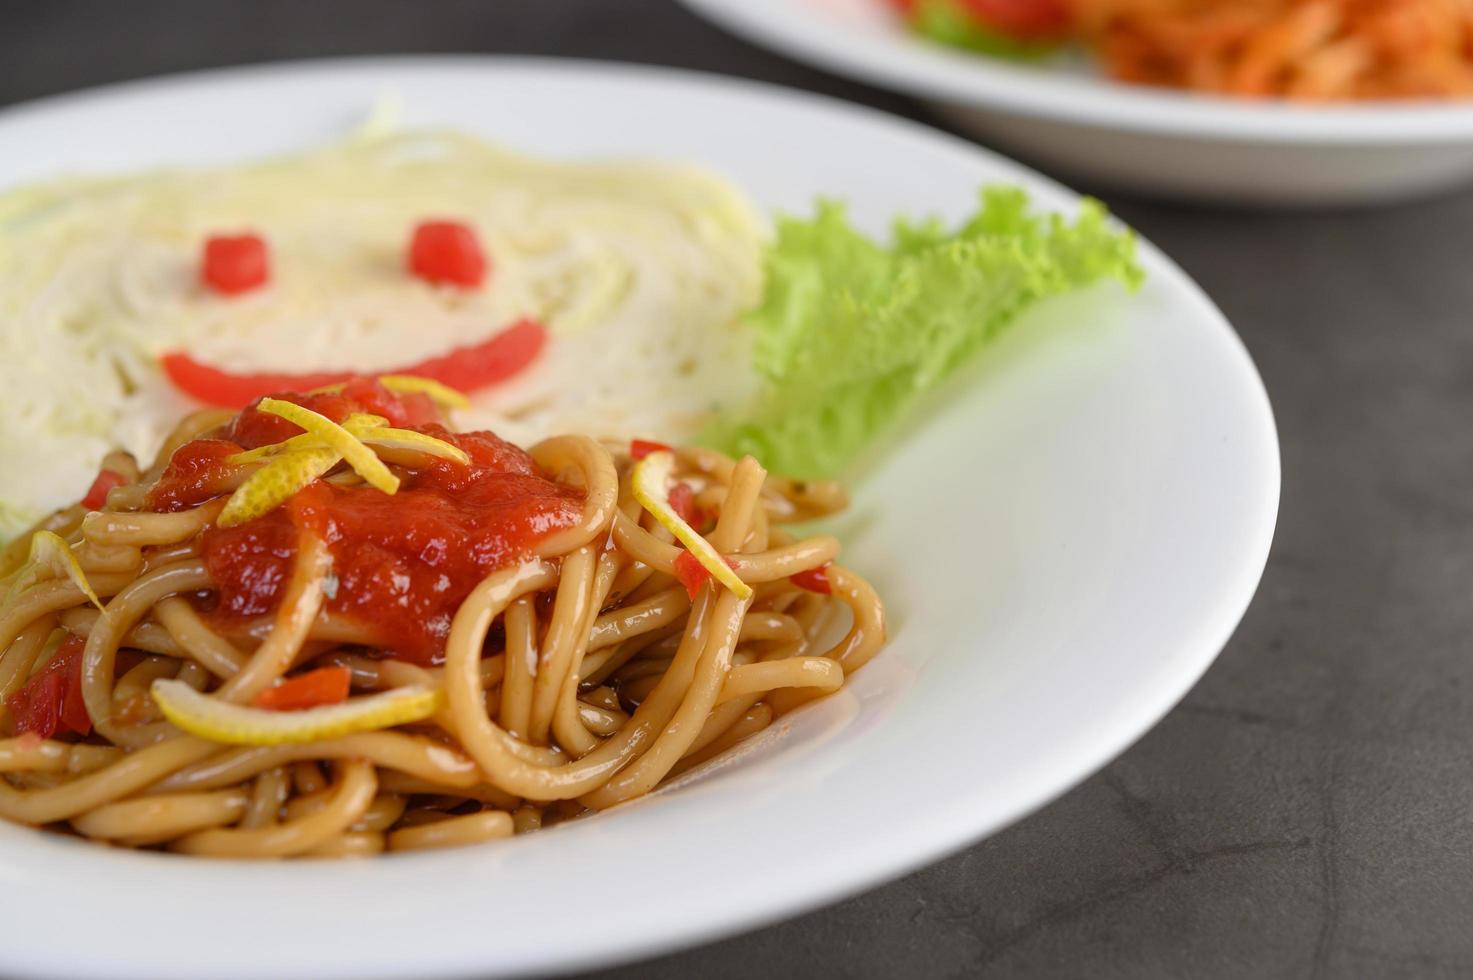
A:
578,673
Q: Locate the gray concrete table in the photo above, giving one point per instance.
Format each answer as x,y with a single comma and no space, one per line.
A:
1308,810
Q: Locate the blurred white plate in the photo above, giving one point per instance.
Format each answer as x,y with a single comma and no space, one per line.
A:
1154,141
1065,542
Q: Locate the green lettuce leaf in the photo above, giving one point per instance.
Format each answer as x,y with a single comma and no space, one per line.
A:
850,332
950,23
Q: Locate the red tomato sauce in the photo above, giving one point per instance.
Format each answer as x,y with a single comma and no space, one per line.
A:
402,563
197,471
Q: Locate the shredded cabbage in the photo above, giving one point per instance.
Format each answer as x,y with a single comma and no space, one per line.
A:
639,271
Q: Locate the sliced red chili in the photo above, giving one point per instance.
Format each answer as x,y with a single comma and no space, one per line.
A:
640,448
325,685
683,501
814,579
692,574
97,494
51,701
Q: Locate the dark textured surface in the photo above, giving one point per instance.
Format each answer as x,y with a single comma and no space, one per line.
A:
1308,811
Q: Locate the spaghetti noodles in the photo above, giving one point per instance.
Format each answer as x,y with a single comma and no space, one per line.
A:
1308,50
555,647
1299,49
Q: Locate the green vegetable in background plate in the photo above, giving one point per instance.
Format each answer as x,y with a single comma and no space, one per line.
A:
1027,30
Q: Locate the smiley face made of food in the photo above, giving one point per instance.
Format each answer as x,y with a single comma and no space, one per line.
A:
545,291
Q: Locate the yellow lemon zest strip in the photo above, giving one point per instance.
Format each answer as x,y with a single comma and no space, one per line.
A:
387,438
357,423
304,441
650,483
275,483
354,452
237,724
50,550
360,422
441,394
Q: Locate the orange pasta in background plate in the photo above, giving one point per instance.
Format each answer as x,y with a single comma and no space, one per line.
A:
1321,50
1302,49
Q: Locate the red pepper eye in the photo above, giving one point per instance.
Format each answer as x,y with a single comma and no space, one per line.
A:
235,263
447,252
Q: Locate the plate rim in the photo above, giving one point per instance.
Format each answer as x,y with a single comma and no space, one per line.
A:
948,829
977,82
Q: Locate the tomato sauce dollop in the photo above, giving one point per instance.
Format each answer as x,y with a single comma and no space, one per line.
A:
403,563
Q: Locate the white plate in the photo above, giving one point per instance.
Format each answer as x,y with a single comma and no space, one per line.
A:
1154,141
1065,543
